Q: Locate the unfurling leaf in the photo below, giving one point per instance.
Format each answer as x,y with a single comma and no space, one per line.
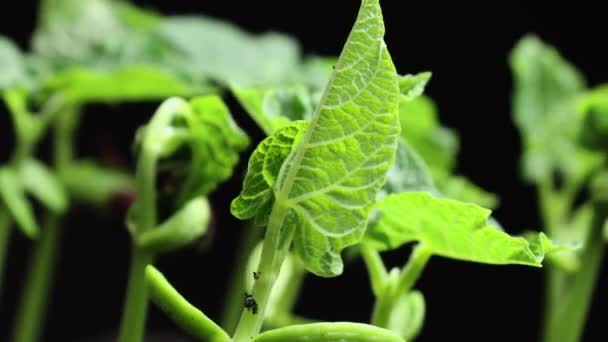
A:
330,179
412,86
329,332
181,229
450,229
12,193
44,185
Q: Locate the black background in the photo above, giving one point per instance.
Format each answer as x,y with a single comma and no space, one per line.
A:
466,47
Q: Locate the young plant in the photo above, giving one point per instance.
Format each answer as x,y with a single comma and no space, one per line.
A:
560,122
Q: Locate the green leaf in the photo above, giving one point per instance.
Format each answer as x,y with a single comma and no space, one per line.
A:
450,229
129,83
407,317
461,189
215,141
12,70
438,146
546,87
179,230
44,185
196,142
412,86
185,315
593,106
331,177
273,107
12,193
220,47
561,255
328,332
93,184
408,173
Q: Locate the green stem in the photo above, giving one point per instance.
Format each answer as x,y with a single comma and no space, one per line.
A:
236,292
273,253
5,235
568,321
136,303
35,296
399,284
375,268
184,314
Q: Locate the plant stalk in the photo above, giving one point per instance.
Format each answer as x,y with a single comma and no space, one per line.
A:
568,320
5,236
32,308
274,251
136,303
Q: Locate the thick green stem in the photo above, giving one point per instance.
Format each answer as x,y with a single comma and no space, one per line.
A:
5,235
234,297
399,284
33,304
276,243
375,268
136,303
568,320
184,314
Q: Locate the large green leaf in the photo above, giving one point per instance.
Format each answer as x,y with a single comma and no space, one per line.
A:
209,48
546,87
43,184
13,196
330,179
128,83
451,229
329,332
12,71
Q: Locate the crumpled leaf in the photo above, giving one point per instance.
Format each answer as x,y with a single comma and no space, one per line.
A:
12,193
412,86
450,229
331,178
328,332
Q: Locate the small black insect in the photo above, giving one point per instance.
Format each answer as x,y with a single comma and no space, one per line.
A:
250,303
256,275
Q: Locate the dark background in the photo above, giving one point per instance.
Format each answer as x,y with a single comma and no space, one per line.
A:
464,45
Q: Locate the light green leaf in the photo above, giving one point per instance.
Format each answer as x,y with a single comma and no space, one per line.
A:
449,228
561,255
93,184
461,189
328,332
408,173
412,86
264,164
227,54
12,71
315,72
330,179
438,146
546,87
593,106
407,317
13,196
129,83
43,184
179,230
273,107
